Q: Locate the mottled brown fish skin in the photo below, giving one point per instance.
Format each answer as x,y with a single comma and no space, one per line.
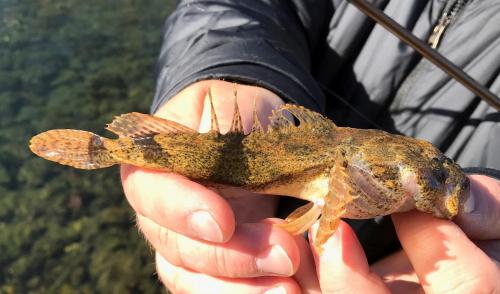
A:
283,154
392,173
379,173
249,161
395,173
343,172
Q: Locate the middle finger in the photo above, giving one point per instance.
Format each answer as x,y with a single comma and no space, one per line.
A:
256,249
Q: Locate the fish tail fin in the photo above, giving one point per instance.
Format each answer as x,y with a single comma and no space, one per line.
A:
80,149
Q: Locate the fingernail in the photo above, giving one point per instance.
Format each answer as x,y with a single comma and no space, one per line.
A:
277,290
274,260
470,203
205,227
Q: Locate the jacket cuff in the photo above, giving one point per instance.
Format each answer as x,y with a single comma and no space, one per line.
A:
274,72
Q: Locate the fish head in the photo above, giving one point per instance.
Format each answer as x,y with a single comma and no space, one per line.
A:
439,184
457,189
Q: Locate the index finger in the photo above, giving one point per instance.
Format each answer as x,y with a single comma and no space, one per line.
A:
444,258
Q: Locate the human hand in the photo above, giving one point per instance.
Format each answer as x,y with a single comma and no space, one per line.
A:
438,256
205,242
192,259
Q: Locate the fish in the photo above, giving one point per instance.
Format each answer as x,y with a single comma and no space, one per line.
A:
341,172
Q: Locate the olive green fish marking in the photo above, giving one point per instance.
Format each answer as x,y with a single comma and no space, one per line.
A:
342,172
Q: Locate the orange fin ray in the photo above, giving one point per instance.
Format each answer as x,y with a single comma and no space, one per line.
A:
80,149
339,196
214,122
236,124
256,126
140,125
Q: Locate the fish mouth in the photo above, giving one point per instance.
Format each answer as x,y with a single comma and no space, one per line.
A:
456,195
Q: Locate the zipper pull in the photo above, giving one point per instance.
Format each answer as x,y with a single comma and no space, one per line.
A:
437,32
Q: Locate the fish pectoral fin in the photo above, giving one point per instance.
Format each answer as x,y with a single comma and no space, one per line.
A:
338,197
328,224
301,219
140,125
333,210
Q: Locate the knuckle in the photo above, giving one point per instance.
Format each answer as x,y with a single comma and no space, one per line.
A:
215,261
163,236
168,277
220,259
232,265
163,240
483,283
184,252
168,245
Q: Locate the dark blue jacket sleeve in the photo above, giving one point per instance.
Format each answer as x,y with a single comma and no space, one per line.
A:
262,43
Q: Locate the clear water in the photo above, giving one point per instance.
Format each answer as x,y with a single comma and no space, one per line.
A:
71,64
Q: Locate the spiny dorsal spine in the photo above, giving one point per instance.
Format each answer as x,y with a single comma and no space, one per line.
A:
236,124
214,122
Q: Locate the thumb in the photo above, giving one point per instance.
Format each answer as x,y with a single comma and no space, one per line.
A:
480,217
342,267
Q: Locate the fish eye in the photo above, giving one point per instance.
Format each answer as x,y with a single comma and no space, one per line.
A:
465,184
440,174
439,159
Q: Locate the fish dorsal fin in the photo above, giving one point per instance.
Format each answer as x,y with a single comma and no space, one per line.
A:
281,118
137,124
213,117
257,126
236,124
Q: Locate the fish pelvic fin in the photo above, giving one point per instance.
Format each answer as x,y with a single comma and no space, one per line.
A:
80,149
301,219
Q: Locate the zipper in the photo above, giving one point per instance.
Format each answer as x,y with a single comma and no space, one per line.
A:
450,13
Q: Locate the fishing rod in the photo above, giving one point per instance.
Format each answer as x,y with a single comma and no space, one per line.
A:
429,53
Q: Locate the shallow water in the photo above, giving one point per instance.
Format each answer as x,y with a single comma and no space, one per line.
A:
71,64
